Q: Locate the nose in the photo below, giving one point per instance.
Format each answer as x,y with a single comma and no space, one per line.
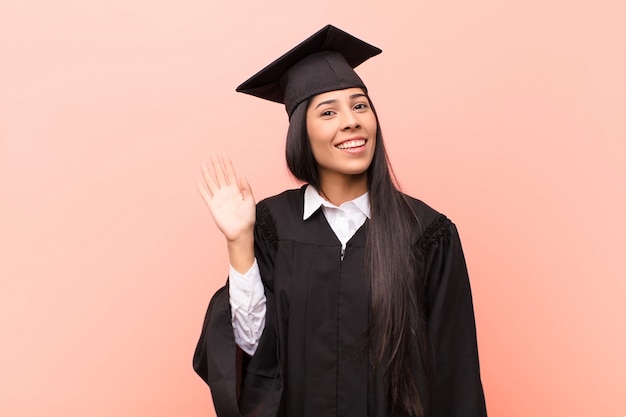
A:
350,121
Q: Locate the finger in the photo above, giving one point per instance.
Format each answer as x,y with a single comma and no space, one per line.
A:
246,190
218,171
231,176
209,180
205,193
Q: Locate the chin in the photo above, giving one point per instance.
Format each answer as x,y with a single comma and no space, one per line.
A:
356,172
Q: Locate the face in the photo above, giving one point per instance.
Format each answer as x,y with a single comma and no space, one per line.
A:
342,131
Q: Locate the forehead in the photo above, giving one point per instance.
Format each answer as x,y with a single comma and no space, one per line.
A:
346,94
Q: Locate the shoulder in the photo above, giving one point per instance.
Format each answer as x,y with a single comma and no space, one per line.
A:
425,213
433,225
288,200
280,211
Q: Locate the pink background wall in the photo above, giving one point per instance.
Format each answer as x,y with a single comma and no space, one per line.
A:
508,116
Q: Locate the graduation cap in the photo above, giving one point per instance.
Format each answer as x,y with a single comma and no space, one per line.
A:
323,62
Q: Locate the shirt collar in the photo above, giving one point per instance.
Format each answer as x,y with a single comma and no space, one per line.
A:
313,201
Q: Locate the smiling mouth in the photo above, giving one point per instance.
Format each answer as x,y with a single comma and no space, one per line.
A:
351,144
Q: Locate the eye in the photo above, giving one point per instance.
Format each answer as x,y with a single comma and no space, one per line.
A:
327,113
361,106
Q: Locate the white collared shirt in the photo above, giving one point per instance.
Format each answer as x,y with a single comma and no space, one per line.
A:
345,219
247,295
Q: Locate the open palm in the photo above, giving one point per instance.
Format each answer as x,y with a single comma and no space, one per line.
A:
229,198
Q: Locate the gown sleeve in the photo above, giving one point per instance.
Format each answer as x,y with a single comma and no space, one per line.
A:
242,385
456,389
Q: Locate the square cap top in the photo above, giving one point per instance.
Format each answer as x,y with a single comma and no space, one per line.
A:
321,63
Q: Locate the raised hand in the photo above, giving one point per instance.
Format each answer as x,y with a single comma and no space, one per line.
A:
229,198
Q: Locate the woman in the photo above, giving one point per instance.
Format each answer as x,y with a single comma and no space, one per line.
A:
345,297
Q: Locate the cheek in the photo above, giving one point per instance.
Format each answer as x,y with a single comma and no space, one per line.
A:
311,131
318,134
372,124
318,148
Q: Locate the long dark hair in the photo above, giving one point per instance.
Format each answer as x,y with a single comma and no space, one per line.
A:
397,334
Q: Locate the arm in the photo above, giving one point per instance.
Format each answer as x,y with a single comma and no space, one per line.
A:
231,203
242,385
247,305
456,386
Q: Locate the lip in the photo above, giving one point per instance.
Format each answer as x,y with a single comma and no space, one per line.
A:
350,140
356,150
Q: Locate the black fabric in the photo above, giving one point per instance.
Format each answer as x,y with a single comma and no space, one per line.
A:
312,359
322,62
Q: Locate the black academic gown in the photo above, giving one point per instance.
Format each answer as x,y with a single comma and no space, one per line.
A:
312,360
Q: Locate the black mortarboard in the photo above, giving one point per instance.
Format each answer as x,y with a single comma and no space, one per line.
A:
321,63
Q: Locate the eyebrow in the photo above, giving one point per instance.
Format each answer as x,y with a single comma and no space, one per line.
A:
334,100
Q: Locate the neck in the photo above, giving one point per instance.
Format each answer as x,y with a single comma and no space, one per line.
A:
338,189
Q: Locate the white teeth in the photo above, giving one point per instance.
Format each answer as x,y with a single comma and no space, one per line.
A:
351,144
